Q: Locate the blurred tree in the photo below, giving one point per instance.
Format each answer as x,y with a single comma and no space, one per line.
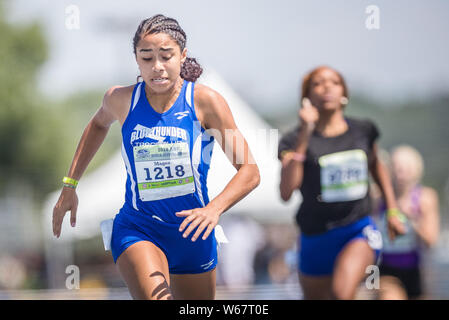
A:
38,136
22,52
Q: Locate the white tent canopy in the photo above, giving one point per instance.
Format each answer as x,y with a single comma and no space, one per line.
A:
101,193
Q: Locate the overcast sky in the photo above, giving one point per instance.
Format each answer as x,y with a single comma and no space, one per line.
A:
261,48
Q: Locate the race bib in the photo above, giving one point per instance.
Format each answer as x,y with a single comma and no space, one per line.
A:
163,170
344,176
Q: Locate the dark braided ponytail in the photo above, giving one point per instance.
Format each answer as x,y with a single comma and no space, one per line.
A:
190,69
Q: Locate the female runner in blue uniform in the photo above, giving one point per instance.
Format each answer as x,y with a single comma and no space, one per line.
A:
163,237
329,157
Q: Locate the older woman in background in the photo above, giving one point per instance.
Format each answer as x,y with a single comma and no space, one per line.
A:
400,266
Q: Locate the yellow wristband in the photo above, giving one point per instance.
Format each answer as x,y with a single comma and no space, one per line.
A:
394,212
67,180
284,152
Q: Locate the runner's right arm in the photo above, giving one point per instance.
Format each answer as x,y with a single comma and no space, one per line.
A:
292,170
91,140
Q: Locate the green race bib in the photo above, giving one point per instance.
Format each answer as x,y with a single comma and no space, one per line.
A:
344,176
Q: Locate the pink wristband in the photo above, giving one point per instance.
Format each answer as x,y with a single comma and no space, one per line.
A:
298,157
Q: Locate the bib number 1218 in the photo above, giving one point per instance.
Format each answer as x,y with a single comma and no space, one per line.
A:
160,173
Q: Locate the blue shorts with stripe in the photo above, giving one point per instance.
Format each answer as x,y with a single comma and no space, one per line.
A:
317,253
183,255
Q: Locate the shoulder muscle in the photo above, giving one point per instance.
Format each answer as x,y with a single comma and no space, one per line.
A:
115,106
212,109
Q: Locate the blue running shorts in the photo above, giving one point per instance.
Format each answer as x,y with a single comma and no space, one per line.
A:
183,255
317,253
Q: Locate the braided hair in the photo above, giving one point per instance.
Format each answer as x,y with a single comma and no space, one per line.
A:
190,69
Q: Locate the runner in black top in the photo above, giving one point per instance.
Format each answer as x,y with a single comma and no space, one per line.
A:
329,157
313,216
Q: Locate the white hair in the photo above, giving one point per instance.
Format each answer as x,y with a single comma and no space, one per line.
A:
412,156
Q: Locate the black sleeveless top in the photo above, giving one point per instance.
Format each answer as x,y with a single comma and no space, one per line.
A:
335,186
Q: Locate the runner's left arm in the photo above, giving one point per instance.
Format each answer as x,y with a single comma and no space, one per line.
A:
427,225
215,116
382,178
